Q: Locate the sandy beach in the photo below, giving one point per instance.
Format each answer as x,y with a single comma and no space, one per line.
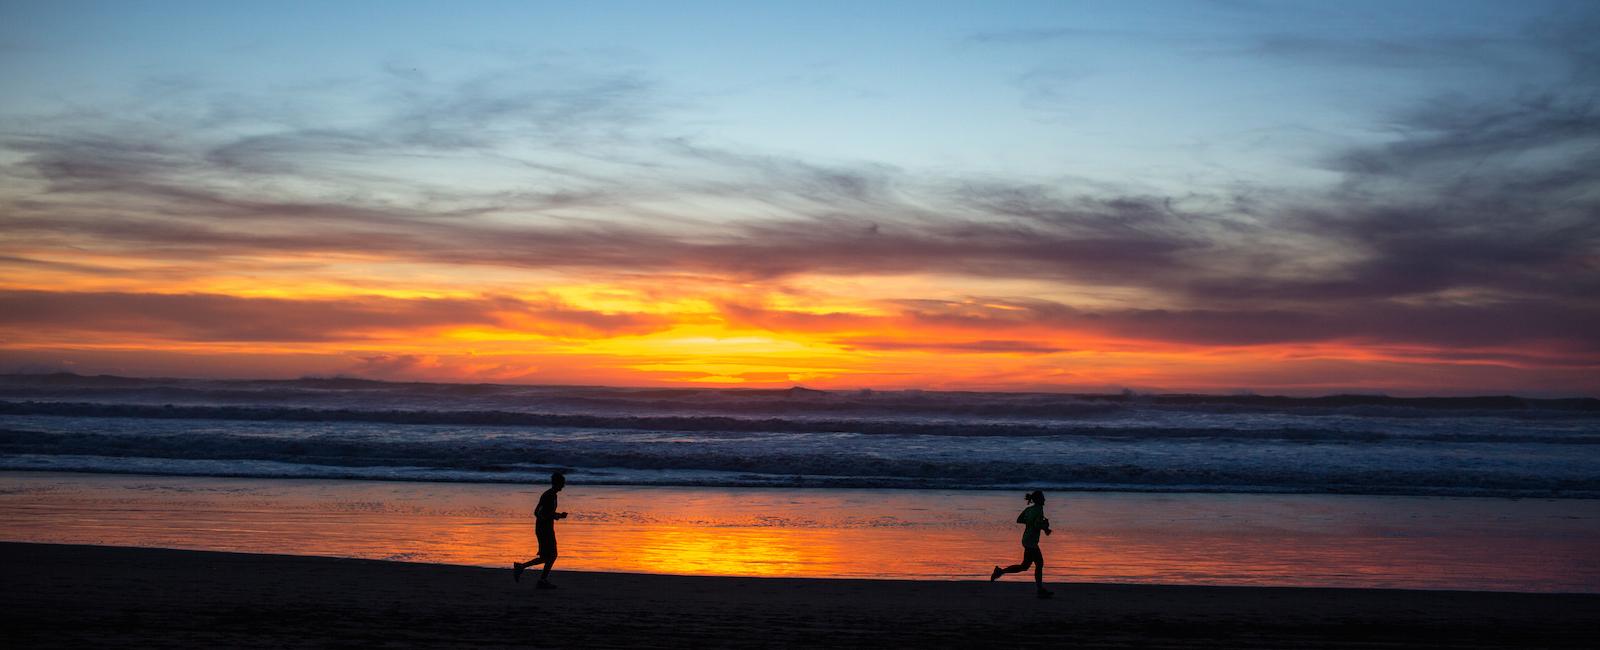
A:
77,596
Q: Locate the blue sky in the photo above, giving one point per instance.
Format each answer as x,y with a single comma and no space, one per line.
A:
1169,92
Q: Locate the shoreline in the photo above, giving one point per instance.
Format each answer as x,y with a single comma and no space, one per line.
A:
63,595
818,484
1240,540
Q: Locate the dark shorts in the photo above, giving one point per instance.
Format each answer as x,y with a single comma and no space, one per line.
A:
547,543
1032,554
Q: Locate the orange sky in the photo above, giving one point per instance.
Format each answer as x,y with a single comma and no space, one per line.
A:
733,305
683,329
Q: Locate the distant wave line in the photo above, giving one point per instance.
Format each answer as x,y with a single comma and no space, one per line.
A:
729,424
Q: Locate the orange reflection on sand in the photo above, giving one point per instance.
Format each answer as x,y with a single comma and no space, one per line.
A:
1523,545
708,532
723,551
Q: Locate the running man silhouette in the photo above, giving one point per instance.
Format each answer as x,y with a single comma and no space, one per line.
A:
1032,517
544,527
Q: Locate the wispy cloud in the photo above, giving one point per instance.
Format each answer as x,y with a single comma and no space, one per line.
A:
1052,326
983,346
210,317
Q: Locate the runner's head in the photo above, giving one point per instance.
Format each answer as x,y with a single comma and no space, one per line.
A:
1036,496
558,480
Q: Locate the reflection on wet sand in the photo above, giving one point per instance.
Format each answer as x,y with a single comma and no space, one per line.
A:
1524,545
732,551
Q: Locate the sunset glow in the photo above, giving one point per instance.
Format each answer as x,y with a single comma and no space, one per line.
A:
538,203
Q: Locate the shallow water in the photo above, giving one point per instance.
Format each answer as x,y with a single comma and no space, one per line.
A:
1218,539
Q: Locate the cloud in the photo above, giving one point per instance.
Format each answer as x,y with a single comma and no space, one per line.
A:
839,221
214,317
1407,221
1416,51
1481,332
1476,226
390,365
1502,225
1498,198
961,347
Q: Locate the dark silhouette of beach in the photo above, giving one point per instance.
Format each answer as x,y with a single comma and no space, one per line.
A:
87,596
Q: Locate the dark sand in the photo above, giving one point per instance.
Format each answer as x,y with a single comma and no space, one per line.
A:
87,596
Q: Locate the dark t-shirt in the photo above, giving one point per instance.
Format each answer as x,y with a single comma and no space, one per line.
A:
1033,516
544,514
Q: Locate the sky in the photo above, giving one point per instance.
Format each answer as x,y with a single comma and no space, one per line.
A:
1225,196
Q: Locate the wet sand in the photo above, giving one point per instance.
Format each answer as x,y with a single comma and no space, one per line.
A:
77,596
1165,539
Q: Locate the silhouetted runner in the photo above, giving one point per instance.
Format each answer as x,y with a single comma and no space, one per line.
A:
544,527
1032,517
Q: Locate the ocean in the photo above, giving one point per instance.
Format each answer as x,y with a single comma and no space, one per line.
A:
1493,493
485,433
